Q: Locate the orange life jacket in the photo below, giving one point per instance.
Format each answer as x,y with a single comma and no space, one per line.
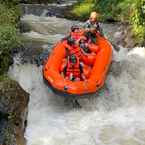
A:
73,69
74,50
93,48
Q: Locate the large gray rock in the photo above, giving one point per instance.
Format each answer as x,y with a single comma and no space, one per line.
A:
13,112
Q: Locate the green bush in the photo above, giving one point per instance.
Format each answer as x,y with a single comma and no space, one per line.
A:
83,8
10,3
138,20
131,11
9,15
107,8
8,37
5,61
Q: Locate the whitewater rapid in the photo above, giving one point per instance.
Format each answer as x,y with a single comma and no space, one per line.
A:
116,116
113,116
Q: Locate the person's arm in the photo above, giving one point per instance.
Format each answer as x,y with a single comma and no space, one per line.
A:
91,29
95,28
100,29
81,69
86,27
63,66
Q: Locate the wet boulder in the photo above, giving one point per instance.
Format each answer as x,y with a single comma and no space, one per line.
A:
13,112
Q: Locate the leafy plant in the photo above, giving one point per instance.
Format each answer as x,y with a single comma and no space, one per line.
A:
10,3
131,11
83,8
9,15
138,20
8,37
5,61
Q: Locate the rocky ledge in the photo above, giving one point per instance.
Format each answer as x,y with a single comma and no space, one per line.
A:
13,112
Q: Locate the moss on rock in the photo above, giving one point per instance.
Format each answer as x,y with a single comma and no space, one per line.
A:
13,110
5,61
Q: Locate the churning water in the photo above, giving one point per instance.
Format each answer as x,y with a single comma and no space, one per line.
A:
114,116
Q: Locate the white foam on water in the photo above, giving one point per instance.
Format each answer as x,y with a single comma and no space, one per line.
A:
51,21
122,108
43,37
46,26
140,51
63,3
114,116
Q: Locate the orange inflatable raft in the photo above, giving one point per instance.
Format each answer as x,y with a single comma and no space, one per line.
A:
96,76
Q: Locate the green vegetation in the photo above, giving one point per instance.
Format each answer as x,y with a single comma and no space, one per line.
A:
9,33
8,37
9,15
4,78
10,3
138,20
131,11
5,61
82,9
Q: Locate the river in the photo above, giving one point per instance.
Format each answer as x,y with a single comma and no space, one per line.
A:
113,116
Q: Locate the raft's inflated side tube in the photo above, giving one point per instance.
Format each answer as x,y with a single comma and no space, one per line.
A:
51,70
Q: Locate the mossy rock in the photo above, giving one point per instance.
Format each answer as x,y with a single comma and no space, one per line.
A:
13,110
5,61
6,130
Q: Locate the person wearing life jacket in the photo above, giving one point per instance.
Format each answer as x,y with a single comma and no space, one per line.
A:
74,69
83,43
88,47
72,48
92,26
76,32
86,69
89,51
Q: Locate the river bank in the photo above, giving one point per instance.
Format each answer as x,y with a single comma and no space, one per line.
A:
13,112
13,99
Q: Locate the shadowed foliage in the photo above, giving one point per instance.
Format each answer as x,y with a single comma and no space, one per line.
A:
130,11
